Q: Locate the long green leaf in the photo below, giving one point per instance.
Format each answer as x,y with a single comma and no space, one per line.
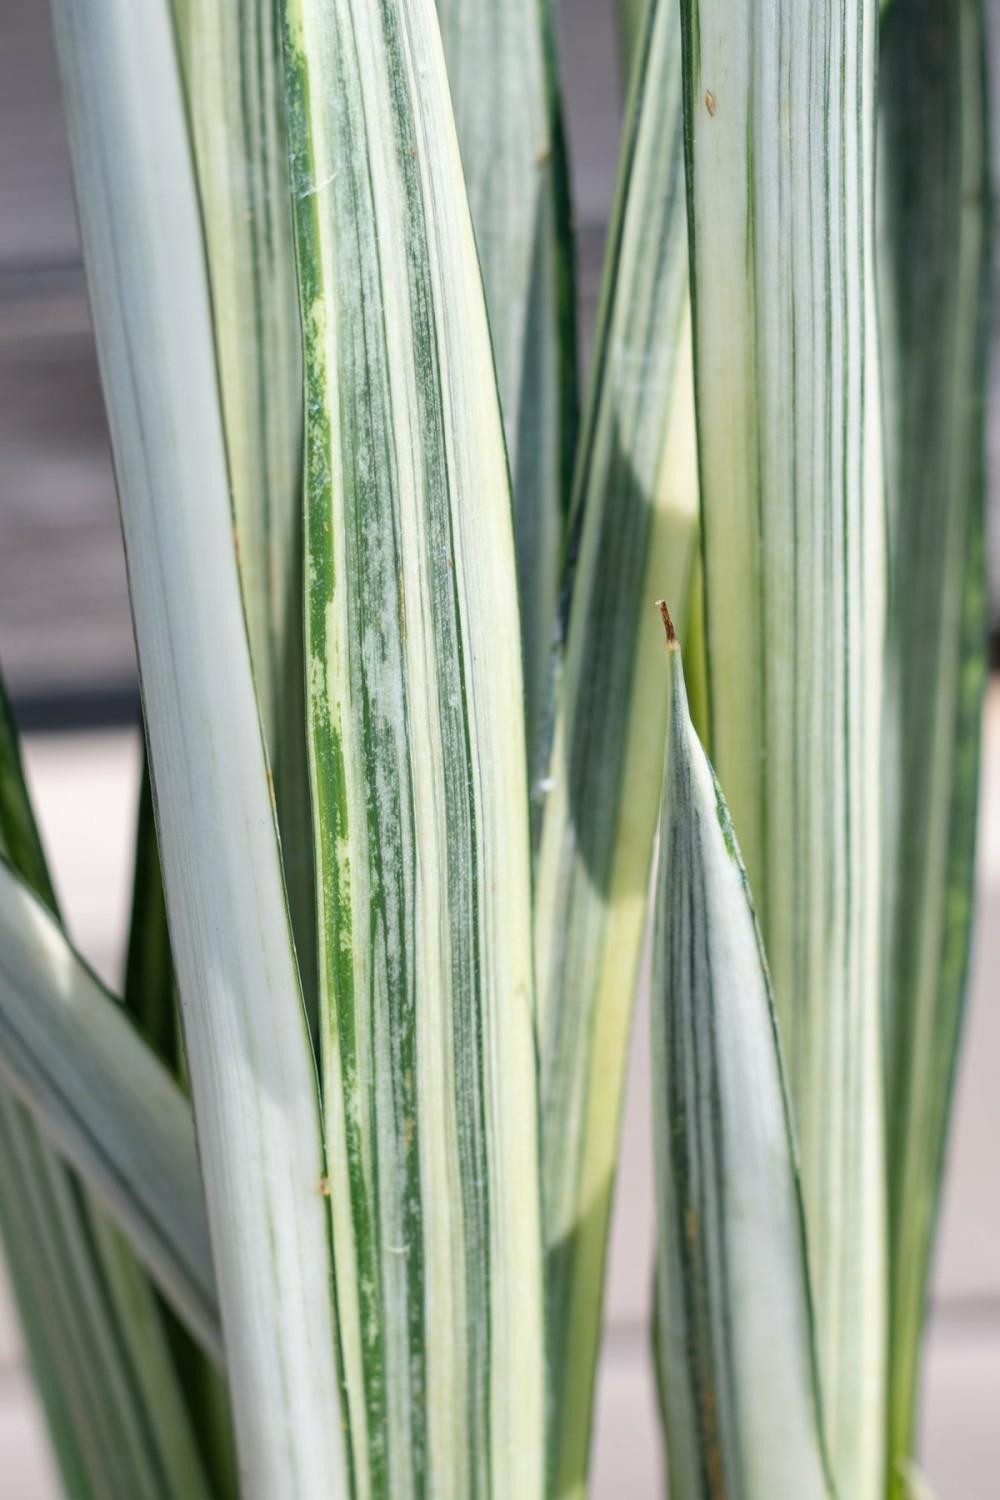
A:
631,15
501,68
150,996
252,1072
58,1375
934,269
418,773
92,1324
230,51
633,537
68,1051
231,55
150,992
89,1316
779,104
234,90
734,1315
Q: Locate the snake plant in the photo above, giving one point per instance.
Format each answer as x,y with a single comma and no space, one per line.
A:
318,1207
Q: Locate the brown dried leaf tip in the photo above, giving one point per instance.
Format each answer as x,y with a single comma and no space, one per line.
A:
668,624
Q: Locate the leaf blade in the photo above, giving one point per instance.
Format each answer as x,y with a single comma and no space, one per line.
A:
68,1052
779,106
89,1316
934,166
418,773
633,536
232,74
631,14
733,1298
501,68
252,1068
150,987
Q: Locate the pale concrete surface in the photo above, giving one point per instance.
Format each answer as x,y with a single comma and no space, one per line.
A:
85,787
27,1469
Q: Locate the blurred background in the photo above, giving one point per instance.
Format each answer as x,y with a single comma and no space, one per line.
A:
66,649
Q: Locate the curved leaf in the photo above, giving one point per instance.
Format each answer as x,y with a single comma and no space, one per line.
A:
68,1051
89,1315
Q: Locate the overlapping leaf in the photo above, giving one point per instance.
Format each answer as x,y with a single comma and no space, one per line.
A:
233,83
501,69
248,1043
90,1318
68,1051
633,536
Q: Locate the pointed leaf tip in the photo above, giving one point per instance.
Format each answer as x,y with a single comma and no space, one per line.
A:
668,625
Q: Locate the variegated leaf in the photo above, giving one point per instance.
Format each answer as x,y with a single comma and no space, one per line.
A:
234,89
734,1320
501,68
633,536
252,1069
780,118
418,773
89,1315
68,1051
